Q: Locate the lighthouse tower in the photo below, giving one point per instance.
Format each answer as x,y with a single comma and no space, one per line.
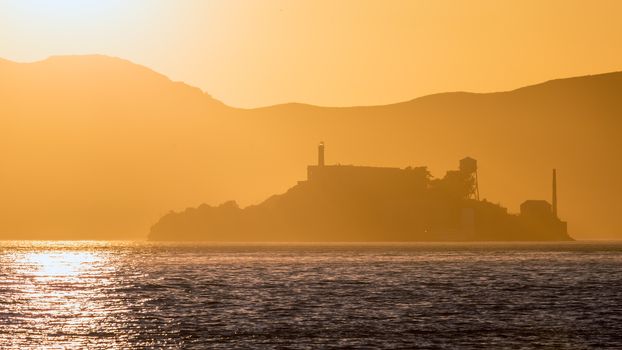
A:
554,199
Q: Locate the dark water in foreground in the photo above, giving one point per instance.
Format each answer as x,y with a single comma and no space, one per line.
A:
136,295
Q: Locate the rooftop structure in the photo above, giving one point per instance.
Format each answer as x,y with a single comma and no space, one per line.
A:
374,177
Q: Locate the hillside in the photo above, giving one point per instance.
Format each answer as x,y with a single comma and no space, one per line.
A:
98,147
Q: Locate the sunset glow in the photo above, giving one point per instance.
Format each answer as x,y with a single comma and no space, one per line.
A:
257,53
310,174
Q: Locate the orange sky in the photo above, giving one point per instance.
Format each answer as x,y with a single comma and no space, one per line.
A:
254,53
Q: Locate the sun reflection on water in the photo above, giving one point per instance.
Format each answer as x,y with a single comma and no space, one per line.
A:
62,292
58,265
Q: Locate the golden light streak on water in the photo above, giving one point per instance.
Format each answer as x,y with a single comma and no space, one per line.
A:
127,295
58,293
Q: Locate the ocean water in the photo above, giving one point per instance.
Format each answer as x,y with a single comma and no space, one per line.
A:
432,296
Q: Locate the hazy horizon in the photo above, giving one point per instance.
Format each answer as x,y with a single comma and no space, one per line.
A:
130,110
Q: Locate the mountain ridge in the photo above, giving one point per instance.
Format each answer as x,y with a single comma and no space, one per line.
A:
106,150
103,57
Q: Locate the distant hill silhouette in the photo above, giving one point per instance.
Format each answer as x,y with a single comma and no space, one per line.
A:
99,147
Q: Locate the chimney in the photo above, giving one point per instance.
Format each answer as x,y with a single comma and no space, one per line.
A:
320,154
554,193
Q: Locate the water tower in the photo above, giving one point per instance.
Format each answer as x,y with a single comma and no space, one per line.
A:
468,166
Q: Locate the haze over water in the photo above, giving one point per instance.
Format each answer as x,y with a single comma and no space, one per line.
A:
140,294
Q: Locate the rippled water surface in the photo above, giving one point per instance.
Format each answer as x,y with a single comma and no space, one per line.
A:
137,295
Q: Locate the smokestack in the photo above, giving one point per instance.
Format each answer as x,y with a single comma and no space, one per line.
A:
555,192
320,154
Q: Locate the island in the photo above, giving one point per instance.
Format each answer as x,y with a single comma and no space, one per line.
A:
346,203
